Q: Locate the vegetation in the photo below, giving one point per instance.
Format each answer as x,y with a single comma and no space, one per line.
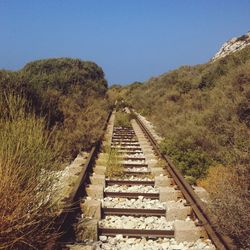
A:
233,207
52,109
27,157
122,119
113,163
49,111
203,112
70,94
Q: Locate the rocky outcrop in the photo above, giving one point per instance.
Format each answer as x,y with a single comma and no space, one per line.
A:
233,45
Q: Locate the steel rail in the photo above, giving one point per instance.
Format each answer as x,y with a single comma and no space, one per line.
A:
221,242
66,217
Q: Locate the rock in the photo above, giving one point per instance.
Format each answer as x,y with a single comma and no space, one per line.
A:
202,245
149,220
119,237
176,247
233,45
131,241
132,189
165,245
103,238
130,224
151,244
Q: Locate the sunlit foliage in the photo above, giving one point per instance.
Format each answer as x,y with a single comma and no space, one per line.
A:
203,113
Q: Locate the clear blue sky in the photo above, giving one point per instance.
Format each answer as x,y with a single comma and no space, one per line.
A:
131,40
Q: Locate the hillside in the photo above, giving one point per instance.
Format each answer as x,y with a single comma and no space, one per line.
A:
203,113
201,110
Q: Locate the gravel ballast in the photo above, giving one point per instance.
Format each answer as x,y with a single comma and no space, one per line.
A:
130,222
140,203
132,189
132,178
122,243
137,169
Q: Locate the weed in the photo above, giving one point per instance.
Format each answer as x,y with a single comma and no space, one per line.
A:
113,161
122,119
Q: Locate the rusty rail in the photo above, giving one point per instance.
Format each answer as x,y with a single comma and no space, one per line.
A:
65,219
221,242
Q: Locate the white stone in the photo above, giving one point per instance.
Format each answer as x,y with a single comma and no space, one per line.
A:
119,237
232,46
103,238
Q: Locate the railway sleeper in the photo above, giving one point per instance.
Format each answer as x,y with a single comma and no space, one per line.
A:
131,141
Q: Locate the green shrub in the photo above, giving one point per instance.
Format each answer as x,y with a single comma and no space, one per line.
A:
192,162
69,93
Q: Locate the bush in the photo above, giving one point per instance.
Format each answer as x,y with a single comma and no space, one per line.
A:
200,124
69,93
192,162
83,124
27,157
230,201
122,119
49,111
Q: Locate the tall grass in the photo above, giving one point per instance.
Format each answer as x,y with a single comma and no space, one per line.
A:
232,207
122,119
27,157
114,166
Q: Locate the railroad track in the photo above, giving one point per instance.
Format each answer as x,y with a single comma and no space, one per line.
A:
150,206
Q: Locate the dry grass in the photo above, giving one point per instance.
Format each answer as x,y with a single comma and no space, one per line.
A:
27,155
122,119
114,167
230,203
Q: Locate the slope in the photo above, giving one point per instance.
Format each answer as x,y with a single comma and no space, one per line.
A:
203,113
